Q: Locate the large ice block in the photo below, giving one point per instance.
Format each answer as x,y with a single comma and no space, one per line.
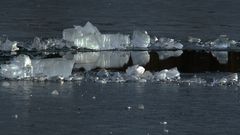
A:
140,39
89,37
20,67
52,67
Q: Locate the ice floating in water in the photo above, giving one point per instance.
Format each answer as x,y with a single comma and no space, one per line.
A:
194,39
140,39
135,70
221,43
23,67
8,45
167,54
89,37
167,43
229,79
166,74
20,67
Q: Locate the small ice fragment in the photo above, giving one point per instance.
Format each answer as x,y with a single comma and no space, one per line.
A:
55,93
56,78
140,58
153,40
166,74
194,39
141,107
93,97
15,116
9,46
129,107
163,123
135,70
140,39
173,74
167,43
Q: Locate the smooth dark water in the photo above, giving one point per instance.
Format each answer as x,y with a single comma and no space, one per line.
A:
186,109
173,18
30,108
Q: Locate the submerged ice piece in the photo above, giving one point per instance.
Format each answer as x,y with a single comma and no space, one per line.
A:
140,39
167,43
166,74
8,45
135,70
52,67
20,67
89,37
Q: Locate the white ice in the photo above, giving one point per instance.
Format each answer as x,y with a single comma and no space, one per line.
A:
167,43
9,46
135,70
166,74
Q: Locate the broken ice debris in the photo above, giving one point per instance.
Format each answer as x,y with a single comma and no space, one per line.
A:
221,43
166,74
194,39
89,37
167,43
229,79
20,67
9,46
135,70
140,57
167,54
140,39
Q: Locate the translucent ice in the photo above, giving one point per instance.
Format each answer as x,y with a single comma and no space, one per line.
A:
221,43
167,54
140,57
20,67
135,70
89,37
140,39
9,46
194,39
167,43
52,67
166,74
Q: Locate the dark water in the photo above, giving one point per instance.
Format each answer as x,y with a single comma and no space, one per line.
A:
187,110
173,18
30,108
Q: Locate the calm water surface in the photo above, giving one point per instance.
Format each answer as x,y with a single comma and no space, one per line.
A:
96,109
